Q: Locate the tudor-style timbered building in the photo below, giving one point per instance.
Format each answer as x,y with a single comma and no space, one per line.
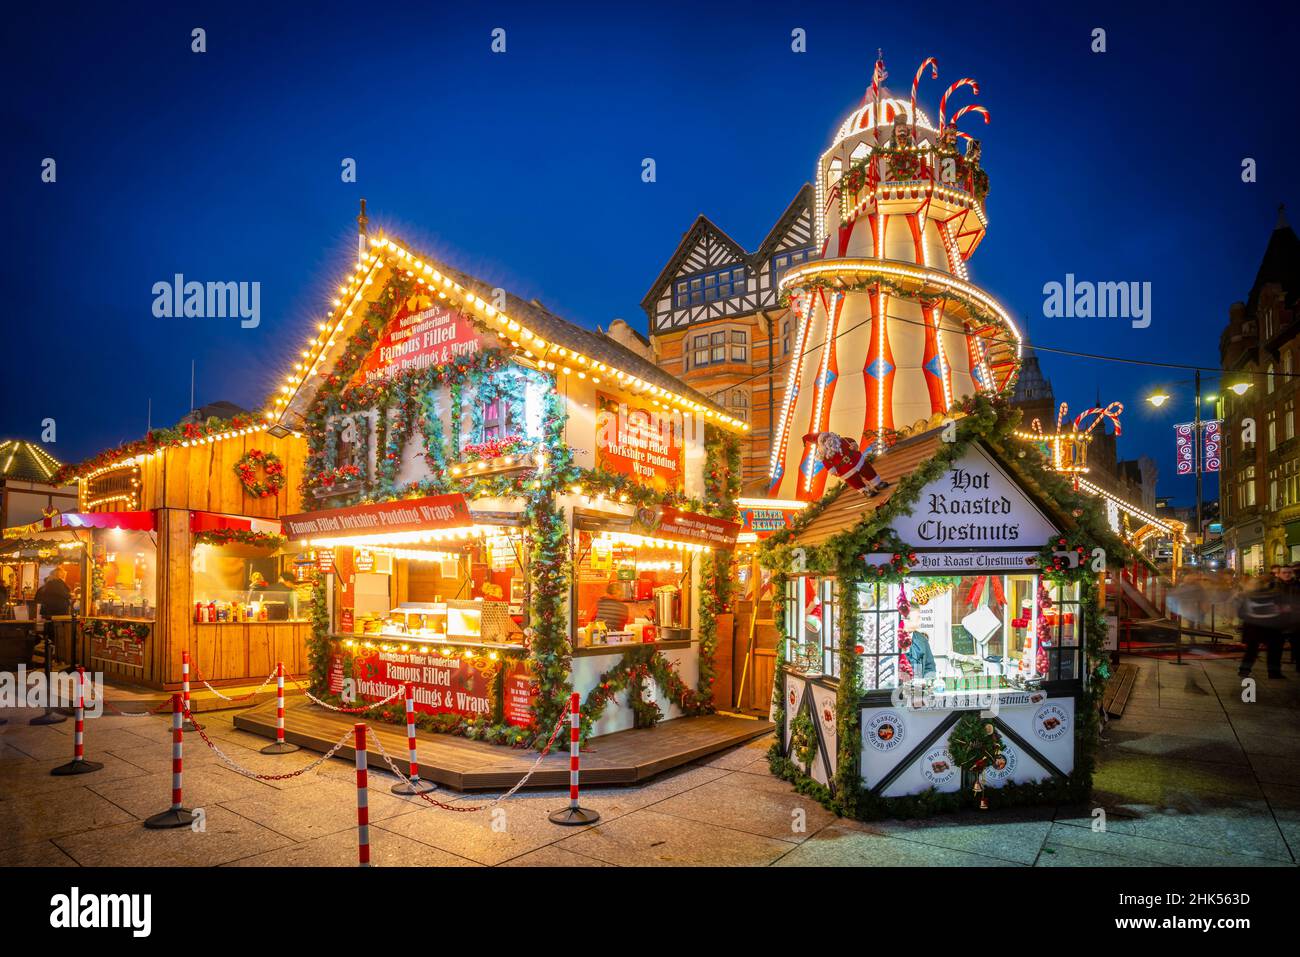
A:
716,322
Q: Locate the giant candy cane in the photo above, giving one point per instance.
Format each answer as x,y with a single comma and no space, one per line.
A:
973,108
1111,412
943,101
933,64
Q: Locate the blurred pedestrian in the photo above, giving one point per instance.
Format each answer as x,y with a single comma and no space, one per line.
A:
1267,611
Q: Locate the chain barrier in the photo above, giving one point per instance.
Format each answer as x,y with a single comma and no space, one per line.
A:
243,697
493,803
333,707
234,766
108,706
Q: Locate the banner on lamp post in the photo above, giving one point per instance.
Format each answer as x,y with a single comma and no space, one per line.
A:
1185,447
1212,449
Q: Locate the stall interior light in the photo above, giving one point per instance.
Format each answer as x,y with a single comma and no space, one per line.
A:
416,554
645,541
468,533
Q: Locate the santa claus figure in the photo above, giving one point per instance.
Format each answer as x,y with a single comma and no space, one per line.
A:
842,456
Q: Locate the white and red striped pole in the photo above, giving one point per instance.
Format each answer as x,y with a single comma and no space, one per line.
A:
190,723
281,746
78,764
414,785
176,815
363,803
574,814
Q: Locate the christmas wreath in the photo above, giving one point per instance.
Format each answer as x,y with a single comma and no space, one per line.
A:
803,738
1065,557
120,630
273,469
974,742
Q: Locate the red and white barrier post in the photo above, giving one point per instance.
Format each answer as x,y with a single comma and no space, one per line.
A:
574,814
190,723
78,764
414,785
363,794
176,815
281,746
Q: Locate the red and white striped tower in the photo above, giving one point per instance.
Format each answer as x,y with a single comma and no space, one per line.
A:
190,723
574,814
78,764
414,785
891,333
281,746
363,795
176,815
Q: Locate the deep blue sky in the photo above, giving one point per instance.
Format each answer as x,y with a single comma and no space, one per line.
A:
524,169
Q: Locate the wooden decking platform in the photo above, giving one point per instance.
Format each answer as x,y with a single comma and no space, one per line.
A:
1115,698
626,757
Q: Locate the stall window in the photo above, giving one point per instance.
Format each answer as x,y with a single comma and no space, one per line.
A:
624,588
812,624
238,582
967,631
124,580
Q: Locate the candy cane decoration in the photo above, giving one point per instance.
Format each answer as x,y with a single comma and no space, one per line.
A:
574,814
281,746
933,64
973,108
78,764
363,801
943,101
1111,412
176,815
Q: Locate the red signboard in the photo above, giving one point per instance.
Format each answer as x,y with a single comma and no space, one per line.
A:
520,690
441,684
690,527
405,515
641,442
423,332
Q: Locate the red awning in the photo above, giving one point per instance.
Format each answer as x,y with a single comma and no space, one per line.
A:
213,522
132,521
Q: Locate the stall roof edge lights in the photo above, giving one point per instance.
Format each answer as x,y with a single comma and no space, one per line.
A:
327,344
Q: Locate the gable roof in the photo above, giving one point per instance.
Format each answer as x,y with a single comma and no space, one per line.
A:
1281,264
26,462
803,200
539,333
851,508
702,227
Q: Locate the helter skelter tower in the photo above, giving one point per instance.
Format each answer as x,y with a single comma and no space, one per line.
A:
891,332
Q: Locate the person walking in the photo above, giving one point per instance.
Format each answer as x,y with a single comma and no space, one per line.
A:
1266,611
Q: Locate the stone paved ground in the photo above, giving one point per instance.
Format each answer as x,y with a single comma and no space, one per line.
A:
1191,775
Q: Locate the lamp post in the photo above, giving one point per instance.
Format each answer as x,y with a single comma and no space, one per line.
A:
1158,399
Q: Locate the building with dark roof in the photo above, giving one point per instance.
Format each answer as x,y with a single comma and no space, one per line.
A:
1260,347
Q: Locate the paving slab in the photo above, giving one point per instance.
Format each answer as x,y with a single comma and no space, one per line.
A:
1161,852
553,856
1015,835
147,794
24,820
844,846
33,777
37,854
226,837
744,802
323,808
340,850
649,839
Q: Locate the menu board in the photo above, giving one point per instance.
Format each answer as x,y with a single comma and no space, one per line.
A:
643,443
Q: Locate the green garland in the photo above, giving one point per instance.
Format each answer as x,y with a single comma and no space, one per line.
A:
121,630
636,667
242,536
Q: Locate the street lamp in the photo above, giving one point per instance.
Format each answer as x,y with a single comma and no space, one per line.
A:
1159,398
1241,388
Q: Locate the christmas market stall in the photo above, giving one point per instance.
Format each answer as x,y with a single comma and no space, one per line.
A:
185,553
943,635
504,508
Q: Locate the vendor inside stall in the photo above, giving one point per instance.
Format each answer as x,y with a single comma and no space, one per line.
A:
630,589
